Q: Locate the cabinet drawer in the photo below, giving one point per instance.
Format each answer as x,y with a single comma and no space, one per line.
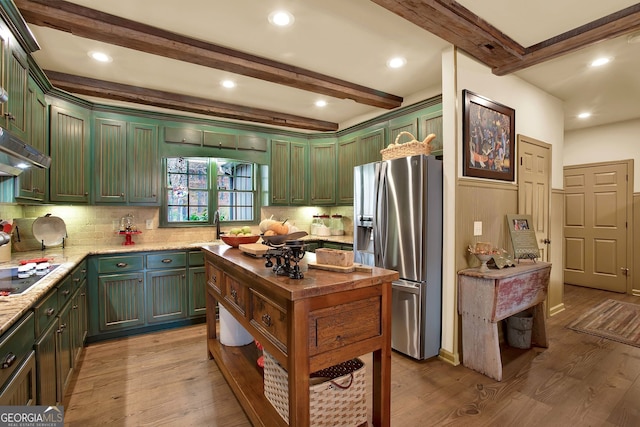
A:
79,274
247,142
333,327
65,290
167,260
45,312
215,278
21,389
183,135
270,317
196,258
16,343
220,140
121,263
236,294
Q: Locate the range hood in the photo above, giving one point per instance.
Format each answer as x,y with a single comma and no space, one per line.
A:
15,155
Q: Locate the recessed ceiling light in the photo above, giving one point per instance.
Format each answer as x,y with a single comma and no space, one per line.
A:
600,61
228,84
100,56
281,18
584,115
321,103
397,62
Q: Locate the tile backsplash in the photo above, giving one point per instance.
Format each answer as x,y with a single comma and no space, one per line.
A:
91,225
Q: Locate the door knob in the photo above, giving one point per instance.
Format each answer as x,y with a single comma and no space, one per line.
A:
546,241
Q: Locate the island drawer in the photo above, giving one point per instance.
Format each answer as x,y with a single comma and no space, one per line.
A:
120,263
270,317
15,345
166,260
45,312
214,277
334,327
236,294
65,290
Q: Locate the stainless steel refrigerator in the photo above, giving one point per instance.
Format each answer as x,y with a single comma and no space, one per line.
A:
398,226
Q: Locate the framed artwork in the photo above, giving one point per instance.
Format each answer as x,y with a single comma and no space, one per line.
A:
487,131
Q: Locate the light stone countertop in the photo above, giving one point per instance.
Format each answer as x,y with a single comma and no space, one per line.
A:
13,307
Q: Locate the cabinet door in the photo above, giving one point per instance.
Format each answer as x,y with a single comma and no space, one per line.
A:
32,181
21,390
432,123
279,172
197,291
46,367
110,151
16,80
69,174
121,299
323,173
143,164
369,146
166,295
347,160
298,177
65,350
79,320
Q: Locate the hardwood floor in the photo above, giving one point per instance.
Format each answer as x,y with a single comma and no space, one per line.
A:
166,379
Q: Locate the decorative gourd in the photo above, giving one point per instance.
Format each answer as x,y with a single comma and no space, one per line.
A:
279,228
265,223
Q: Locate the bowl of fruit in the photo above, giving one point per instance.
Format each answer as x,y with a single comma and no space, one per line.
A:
239,236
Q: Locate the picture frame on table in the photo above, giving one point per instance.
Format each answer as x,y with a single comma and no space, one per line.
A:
488,132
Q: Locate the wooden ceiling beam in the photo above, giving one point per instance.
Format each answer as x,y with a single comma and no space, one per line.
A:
454,23
92,24
191,104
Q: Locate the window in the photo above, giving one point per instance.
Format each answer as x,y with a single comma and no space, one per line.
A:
190,195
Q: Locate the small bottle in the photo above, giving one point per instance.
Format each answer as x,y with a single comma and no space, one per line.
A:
337,227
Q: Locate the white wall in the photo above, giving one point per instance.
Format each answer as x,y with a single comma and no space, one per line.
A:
617,141
538,115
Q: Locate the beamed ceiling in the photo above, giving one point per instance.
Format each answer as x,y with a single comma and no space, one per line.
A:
139,32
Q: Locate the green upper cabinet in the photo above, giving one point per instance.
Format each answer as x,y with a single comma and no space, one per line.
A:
70,172
322,168
110,151
347,160
32,182
400,125
432,123
288,173
369,146
16,78
126,162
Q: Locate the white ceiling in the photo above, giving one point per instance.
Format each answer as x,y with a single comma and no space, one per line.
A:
349,40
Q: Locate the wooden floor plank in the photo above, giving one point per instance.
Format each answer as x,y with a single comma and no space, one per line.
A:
165,379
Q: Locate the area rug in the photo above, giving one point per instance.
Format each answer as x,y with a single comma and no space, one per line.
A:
614,320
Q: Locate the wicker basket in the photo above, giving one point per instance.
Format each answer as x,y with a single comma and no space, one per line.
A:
411,148
337,402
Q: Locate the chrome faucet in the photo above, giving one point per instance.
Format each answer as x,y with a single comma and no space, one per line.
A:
216,221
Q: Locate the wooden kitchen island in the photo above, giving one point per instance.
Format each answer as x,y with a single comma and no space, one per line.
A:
305,324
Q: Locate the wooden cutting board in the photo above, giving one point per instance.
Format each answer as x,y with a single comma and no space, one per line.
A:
339,269
257,249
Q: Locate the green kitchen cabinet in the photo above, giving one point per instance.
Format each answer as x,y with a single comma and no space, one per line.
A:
403,124
46,367
126,162
288,173
21,390
17,376
322,171
31,183
79,310
166,295
16,79
197,284
369,146
70,172
347,160
432,123
64,355
121,304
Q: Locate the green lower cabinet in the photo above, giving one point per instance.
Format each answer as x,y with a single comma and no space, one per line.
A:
65,350
121,301
197,291
79,320
166,295
21,390
46,367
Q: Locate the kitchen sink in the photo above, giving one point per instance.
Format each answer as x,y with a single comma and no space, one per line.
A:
11,284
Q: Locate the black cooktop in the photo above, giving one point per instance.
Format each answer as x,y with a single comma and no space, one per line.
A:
11,284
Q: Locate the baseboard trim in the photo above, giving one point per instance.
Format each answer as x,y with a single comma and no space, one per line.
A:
450,358
557,309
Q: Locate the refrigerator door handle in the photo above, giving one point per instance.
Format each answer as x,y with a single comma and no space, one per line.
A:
406,287
380,217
